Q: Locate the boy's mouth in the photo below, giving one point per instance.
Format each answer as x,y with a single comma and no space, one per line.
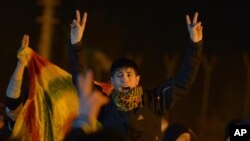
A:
125,89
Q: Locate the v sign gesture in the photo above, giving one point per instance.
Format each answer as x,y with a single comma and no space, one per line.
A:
77,27
24,52
91,100
194,28
25,43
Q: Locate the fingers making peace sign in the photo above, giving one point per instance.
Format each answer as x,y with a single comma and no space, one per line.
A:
78,27
24,43
194,28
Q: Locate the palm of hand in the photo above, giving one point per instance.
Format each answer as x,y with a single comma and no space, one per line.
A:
194,28
77,28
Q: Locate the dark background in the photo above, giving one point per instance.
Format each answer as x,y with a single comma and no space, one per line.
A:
153,29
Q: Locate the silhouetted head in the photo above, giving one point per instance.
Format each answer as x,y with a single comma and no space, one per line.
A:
177,132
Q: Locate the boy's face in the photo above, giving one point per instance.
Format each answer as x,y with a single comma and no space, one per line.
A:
125,79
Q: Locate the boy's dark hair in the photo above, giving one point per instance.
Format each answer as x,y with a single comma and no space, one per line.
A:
175,130
123,63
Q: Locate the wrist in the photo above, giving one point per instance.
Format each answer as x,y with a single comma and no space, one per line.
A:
195,40
73,42
86,123
20,63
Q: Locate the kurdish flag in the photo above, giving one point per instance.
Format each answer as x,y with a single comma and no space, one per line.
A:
52,104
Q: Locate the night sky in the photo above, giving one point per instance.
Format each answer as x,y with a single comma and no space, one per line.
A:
152,29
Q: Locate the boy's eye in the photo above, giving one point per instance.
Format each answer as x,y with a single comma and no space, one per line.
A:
119,75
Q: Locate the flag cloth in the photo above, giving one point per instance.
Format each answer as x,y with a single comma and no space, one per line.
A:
52,104
107,88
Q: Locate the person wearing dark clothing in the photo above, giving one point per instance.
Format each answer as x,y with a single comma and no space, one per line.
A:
77,134
4,129
85,126
133,111
178,132
14,100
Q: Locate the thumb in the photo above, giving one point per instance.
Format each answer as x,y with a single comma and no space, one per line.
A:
197,25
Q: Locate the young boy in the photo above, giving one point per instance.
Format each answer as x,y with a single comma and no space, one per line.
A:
133,111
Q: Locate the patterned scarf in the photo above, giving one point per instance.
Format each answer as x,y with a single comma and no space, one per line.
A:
129,100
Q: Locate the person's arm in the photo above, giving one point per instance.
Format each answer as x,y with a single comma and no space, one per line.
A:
189,68
183,80
77,59
13,99
167,94
91,100
13,89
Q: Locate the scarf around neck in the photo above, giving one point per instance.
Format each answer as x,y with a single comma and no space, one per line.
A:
126,101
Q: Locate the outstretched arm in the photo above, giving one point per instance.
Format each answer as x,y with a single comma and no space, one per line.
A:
13,100
177,87
91,100
77,59
193,54
13,90
191,61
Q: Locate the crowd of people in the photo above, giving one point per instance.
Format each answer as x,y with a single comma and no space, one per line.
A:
126,111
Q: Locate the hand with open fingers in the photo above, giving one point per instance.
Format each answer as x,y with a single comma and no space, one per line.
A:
194,28
78,27
91,100
24,52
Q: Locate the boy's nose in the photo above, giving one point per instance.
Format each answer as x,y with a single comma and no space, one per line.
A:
124,79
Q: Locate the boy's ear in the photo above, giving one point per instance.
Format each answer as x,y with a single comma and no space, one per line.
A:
138,77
